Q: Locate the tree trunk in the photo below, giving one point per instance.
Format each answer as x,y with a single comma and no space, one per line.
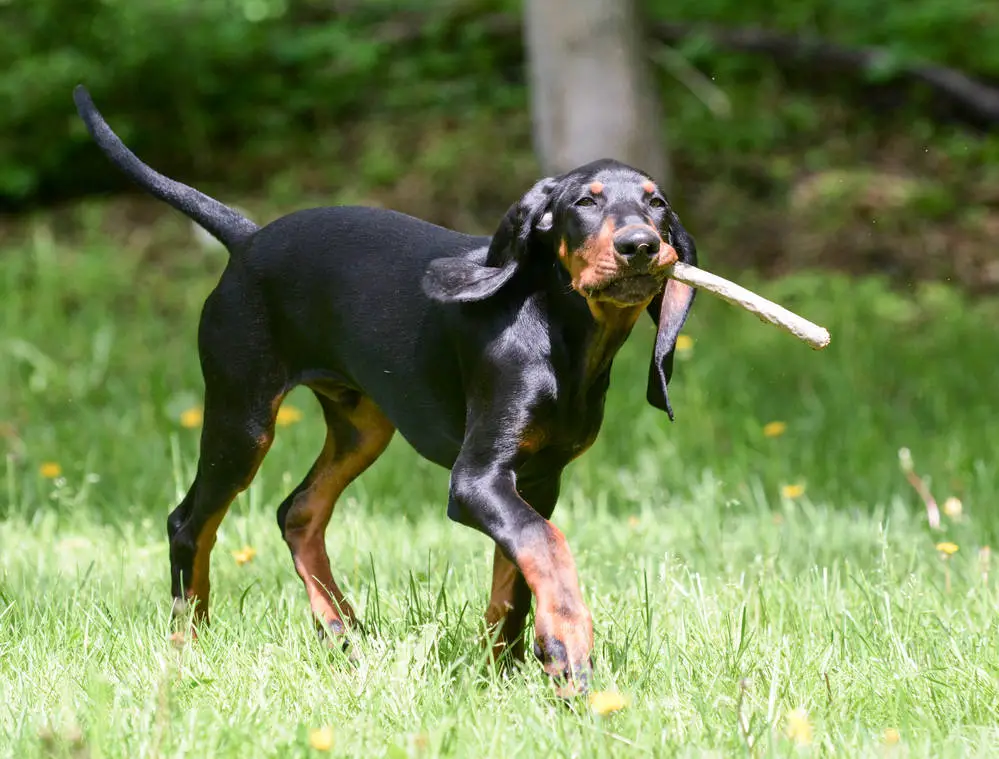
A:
592,94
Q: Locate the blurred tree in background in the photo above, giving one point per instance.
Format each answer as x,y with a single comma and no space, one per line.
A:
785,152
592,93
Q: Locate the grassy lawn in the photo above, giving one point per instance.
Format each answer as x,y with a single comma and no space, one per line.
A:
753,595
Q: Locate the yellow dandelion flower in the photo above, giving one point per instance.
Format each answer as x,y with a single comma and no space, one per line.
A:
192,417
607,702
321,739
892,736
244,555
799,729
947,549
684,344
792,491
953,508
774,429
288,415
633,521
50,470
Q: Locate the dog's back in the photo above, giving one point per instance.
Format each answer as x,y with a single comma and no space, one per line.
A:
357,271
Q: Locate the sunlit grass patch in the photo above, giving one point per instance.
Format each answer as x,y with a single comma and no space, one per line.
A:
762,576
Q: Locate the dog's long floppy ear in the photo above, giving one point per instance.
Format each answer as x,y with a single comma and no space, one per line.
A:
462,280
669,310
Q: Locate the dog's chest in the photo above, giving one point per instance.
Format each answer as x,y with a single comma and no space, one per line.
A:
576,419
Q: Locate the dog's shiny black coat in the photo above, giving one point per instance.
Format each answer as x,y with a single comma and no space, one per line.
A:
490,355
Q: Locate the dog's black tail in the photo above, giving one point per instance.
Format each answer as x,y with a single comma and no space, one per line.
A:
225,224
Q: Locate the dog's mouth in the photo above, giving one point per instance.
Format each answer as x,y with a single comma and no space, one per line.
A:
629,290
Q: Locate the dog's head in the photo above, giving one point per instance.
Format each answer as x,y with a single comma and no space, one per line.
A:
612,231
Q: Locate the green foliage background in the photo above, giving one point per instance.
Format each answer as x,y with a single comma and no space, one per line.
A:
192,83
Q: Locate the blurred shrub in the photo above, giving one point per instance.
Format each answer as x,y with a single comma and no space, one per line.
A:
190,78
203,80
963,34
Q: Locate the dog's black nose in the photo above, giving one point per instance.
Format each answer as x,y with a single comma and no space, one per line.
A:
632,241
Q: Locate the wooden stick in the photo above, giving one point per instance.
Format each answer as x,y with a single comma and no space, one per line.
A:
816,336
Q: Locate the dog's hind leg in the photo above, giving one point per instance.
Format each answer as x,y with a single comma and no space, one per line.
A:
244,386
238,431
356,434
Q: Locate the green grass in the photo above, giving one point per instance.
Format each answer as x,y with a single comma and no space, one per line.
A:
720,606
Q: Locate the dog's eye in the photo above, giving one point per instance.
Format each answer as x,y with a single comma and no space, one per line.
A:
587,201
657,202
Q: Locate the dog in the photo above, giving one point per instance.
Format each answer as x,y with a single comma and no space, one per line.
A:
490,355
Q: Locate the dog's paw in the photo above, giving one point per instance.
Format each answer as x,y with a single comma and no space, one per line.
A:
337,636
564,646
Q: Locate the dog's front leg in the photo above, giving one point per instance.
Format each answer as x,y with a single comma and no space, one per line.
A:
484,496
510,599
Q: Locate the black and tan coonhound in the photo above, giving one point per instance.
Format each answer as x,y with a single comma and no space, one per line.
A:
490,355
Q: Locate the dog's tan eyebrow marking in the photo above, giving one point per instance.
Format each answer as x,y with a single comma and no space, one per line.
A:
596,187
649,186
